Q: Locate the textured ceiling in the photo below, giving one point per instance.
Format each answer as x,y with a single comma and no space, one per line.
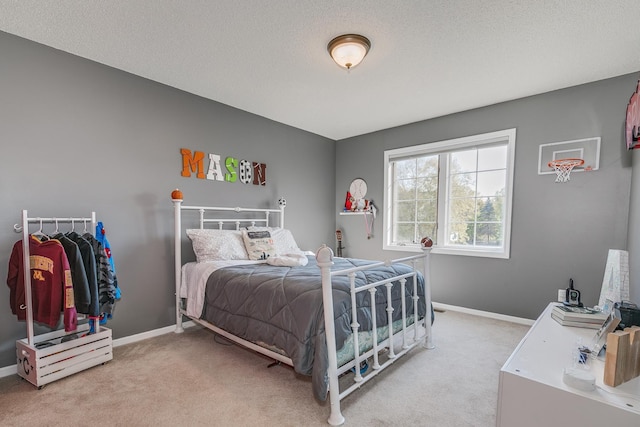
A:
428,57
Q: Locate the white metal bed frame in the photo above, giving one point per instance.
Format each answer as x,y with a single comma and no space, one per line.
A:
324,258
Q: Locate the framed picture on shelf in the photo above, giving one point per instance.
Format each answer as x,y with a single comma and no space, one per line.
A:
609,325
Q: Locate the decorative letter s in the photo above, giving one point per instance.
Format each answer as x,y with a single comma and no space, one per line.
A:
231,164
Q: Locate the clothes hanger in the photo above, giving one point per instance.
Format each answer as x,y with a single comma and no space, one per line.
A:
57,234
73,229
39,234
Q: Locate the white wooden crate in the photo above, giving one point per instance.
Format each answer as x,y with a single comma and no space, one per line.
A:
41,365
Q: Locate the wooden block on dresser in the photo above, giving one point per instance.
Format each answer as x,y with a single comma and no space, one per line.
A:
616,358
633,366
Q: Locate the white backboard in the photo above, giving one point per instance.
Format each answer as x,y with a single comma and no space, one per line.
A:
587,149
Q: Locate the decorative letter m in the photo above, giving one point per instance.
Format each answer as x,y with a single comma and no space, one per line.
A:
192,163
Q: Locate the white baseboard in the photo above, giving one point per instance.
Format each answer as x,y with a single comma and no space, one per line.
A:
13,370
8,370
497,316
149,334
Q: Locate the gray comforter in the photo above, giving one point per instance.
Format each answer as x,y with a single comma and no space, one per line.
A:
282,307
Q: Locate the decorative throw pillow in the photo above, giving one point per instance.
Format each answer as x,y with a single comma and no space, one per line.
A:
283,240
217,245
259,244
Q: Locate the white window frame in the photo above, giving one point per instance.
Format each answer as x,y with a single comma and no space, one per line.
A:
441,147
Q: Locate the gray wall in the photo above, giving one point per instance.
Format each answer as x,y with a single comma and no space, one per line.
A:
634,230
559,231
78,136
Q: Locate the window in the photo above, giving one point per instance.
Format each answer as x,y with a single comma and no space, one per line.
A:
458,192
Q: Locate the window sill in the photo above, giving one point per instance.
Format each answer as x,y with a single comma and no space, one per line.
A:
480,253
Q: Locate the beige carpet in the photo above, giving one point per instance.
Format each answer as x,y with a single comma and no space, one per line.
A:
192,379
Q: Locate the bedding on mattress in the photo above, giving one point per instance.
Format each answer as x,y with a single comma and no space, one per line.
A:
194,280
282,306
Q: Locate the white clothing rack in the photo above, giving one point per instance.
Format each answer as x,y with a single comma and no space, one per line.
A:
41,366
25,256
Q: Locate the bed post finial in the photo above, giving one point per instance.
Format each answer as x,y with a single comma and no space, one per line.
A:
176,195
426,242
324,254
282,203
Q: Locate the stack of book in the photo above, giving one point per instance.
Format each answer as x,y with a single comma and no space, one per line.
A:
582,317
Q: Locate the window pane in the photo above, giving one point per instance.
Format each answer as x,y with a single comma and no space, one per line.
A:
489,234
404,233
405,189
492,158
406,211
427,210
491,183
463,185
462,210
405,169
427,187
427,166
490,209
427,229
464,161
460,233
498,207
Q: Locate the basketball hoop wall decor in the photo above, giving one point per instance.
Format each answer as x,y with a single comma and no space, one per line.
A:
632,122
563,158
563,168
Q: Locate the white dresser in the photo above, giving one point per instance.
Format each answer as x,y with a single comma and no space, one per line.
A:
532,392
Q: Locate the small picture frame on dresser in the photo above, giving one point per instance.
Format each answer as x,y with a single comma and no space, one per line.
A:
600,339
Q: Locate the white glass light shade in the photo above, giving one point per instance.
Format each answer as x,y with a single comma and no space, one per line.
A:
348,50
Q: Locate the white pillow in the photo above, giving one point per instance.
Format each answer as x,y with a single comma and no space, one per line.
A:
217,245
259,244
283,240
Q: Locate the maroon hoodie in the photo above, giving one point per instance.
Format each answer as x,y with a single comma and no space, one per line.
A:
51,285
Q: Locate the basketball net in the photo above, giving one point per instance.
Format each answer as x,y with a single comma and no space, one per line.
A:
563,168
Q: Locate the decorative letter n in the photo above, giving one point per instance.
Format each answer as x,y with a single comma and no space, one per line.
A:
259,173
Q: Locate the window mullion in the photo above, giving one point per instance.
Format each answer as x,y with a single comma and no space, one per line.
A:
475,202
442,220
415,205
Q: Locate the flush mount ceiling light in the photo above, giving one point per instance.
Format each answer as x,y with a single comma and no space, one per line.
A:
348,50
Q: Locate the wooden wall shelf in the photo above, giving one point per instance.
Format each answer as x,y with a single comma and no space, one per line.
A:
356,213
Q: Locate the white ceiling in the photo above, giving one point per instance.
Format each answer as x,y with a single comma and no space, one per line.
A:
428,57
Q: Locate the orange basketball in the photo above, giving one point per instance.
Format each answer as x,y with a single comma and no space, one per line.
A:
176,194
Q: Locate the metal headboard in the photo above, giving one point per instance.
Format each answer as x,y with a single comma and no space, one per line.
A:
176,197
